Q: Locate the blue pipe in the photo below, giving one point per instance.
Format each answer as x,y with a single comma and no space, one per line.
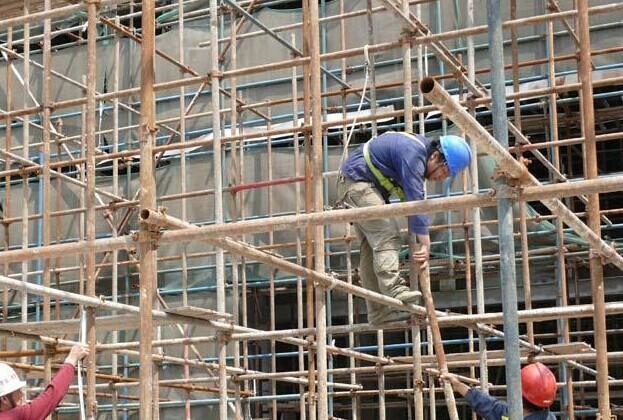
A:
372,349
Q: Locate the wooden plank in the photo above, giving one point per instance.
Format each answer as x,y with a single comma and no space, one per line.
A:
70,326
199,313
569,348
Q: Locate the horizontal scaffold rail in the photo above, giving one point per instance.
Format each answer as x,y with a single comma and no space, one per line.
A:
488,199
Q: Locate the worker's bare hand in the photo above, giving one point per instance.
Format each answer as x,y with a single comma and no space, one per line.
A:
421,256
456,383
449,377
77,353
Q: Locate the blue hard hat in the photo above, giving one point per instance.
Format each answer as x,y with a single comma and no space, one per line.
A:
457,153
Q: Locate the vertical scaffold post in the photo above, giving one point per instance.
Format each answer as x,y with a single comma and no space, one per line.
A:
505,217
147,252
91,404
318,203
590,149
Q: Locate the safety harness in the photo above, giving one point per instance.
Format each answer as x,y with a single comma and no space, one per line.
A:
384,181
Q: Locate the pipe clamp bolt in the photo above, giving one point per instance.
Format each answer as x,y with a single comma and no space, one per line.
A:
507,192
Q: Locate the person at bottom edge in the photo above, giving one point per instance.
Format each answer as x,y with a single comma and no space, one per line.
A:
538,388
12,402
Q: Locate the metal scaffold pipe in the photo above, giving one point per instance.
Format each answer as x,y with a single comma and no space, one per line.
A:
512,168
489,199
147,251
508,278
590,150
90,202
224,212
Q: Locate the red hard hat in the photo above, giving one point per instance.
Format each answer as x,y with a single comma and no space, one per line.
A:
538,384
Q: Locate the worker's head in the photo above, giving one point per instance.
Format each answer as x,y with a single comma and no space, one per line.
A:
538,386
10,388
448,157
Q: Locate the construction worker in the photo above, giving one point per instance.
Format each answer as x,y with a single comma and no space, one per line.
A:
394,164
12,404
538,386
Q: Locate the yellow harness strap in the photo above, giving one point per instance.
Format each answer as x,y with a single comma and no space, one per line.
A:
382,179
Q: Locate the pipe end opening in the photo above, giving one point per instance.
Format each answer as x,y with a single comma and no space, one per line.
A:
144,214
427,84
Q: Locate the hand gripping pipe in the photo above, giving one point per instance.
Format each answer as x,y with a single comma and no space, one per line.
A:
439,97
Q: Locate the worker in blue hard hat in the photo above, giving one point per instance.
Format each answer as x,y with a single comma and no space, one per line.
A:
394,164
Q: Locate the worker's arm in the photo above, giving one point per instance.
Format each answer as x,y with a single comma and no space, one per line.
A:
412,166
458,386
486,406
413,186
48,400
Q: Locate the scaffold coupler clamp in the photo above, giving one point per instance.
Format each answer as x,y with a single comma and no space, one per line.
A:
215,74
419,383
152,234
327,285
511,189
224,336
415,320
162,210
603,256
226,8
534,353
49,349
306,130
407,35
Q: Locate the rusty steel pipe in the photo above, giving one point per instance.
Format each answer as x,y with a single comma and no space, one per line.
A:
512,168
531,193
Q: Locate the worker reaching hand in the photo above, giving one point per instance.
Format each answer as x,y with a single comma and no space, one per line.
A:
394,164
538,388
12,404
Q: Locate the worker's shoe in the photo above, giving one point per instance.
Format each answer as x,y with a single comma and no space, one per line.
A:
398,316
392,316
409,297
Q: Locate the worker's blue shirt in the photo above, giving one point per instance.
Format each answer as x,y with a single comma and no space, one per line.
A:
399,157
490,408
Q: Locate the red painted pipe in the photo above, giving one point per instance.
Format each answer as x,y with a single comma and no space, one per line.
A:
260,184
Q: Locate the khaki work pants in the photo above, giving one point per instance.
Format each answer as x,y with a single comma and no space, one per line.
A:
380,248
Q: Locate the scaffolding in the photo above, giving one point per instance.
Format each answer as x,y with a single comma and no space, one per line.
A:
177,196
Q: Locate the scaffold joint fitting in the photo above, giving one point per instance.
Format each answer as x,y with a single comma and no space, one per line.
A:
507,192
215,74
